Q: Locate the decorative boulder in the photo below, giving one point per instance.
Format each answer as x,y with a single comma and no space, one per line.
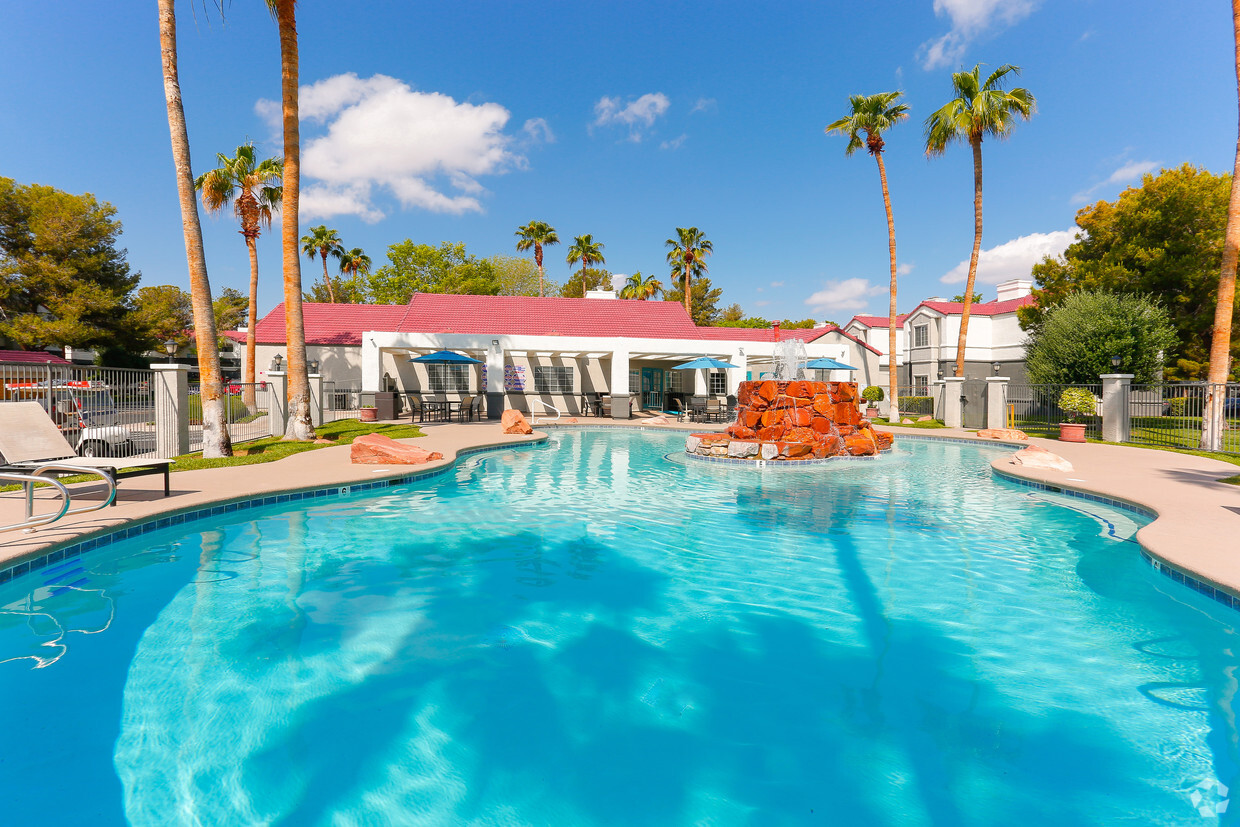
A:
654,420
377,449
514,422
741,449
925,418
1003,433
1036,456
768,450
691,443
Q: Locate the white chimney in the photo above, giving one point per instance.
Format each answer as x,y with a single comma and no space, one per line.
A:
606,289
1013,289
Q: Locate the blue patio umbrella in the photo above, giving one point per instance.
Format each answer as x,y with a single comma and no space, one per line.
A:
827,364
705,362
445,357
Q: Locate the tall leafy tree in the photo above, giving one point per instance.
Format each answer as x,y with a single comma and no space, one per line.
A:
519,277
254,189
323,242
1224,306
588,251
641,287
871,116
215,438
686,254
299,425
537,234
980,109
583,281
421,268
705,301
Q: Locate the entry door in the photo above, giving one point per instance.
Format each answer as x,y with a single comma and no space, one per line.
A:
652,389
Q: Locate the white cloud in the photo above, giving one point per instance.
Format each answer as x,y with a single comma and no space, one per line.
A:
381,134
638,114
1013,259
704,105
904,269
761,304
675,143
849,295
777,284
1127,173
969,19
539,131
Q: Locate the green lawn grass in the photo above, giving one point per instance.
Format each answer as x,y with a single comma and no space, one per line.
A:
932,423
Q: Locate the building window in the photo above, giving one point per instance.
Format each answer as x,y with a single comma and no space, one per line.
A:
718,382
553,379
921,335
921,385
635,381
675,381
448,378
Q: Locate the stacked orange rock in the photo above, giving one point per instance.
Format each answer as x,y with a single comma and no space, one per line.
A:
794,420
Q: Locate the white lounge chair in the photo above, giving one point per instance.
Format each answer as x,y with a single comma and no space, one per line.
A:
30,440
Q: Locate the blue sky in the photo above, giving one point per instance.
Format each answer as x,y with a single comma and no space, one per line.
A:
460,121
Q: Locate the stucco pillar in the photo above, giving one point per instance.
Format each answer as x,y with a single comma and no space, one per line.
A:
953,396
620,384
277,381
171,409
996,401
316,399
495,380
1116,422
735,377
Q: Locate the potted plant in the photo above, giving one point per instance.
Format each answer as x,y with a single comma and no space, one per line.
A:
367,413
872,395
1076,403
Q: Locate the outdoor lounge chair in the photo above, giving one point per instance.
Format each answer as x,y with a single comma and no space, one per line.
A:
465,409
677,409
476,412
29,440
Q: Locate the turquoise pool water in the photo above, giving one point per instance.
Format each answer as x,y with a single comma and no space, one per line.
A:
589,633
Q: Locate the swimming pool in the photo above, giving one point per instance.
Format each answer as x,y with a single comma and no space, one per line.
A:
596,631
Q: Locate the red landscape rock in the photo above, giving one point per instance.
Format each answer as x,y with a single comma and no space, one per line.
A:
1003,433
794,449
860,445
514,422
798,417
751,419
821,425
743,393
1038,457
798,389
800,435
377,449
766,391
771,433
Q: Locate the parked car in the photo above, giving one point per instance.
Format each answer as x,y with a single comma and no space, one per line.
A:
85,411
238,387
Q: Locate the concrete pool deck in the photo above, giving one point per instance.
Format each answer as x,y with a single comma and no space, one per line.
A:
1197,530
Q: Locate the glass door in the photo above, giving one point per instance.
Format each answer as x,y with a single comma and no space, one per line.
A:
652,389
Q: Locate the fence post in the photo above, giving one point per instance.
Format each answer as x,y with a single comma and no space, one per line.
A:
316,400
996,401
278,381
953,394
1116,416
171,409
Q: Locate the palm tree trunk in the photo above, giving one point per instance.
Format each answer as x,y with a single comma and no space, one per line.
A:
893,408
247,388
538,261
215,439
1224,309
976,143
331,294
299,424
688,292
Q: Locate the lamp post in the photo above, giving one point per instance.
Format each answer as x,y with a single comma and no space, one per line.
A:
276,362
1115,360
170,347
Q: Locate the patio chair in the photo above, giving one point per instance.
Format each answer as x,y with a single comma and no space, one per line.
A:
714,409
416,408
30,441
476,409
731,411
697,409
677,409
465,408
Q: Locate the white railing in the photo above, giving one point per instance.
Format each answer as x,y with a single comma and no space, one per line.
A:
544,420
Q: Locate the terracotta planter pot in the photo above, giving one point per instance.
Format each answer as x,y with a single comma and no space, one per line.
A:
367,414
1071,431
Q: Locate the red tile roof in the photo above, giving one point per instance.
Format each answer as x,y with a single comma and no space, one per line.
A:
877,321
978,309
40,356
330,324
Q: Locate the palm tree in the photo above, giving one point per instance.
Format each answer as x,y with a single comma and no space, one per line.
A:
588,251
299,425
353,262
1220,342
215,439
873,115
323,242
536,234
644,287
979,109
254,187
687,257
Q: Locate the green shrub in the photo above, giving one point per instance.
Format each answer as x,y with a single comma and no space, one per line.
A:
234,409
917,404
1177,406
873,393
1077,402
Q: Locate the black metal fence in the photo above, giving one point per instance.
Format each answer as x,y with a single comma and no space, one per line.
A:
1036,409
1173,413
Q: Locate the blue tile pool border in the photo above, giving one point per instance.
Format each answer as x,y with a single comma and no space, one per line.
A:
76,548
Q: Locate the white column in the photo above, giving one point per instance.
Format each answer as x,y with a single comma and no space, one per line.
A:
735,377
495,380
953,408
620,384
1116,424
996,401
277,381
316,399
372,360
171,409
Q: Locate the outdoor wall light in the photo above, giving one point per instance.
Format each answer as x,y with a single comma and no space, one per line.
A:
170,347
940,374
1115,360
996,366
495,343
314,366
276,362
